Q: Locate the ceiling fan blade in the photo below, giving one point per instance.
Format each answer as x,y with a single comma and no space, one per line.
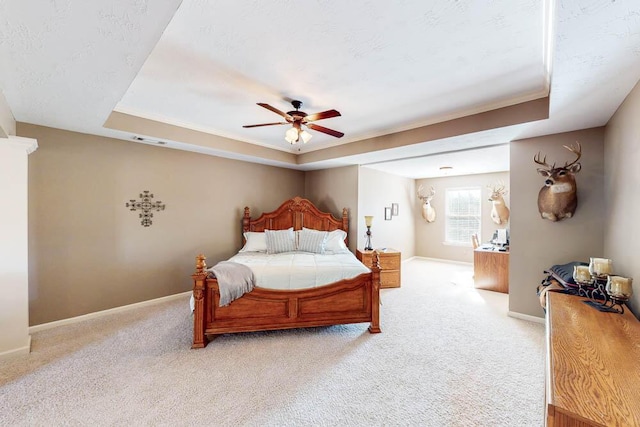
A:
323,115
275,110
325,130
265,124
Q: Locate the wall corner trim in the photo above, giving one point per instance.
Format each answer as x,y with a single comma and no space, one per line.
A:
449,261
527,317
123,308
20,351
27,144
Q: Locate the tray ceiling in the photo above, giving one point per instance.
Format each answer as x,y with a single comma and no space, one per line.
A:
190,72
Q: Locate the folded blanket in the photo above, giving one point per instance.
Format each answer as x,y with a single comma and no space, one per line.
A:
234,280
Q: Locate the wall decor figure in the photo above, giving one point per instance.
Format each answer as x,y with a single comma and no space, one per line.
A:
428,212
499,209
558,198
146,206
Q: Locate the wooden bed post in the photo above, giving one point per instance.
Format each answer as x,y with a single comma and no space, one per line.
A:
199,289
345,220
374,328
246,220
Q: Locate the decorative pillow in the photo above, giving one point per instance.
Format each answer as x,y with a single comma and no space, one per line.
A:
312,240
280,241
335,242
256,242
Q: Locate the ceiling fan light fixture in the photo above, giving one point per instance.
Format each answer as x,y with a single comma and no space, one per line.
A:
299,118
291,136
306,136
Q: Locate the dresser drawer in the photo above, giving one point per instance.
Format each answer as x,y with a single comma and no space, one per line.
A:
390,279
390,261
389,266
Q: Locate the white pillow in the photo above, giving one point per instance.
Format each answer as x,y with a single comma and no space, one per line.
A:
312,240
280,241
256,242
335,242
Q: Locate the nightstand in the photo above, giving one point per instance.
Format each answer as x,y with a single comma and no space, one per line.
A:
389,260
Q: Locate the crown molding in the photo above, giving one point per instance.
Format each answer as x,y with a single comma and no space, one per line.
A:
29,145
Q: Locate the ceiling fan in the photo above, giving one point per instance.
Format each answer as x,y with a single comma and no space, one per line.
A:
298,118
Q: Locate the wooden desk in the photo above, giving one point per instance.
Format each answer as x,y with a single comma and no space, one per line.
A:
389,261
491,270
593,365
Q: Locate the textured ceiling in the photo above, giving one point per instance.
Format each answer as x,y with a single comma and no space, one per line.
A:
384,67
203,65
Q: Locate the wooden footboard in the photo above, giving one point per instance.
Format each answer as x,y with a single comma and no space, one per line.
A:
354,300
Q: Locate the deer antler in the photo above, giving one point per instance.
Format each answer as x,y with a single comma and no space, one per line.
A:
575,150
544,163
422,196
497,187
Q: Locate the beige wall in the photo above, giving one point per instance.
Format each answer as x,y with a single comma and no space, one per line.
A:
378,190
430,236
331,190
622,183
88,252
536,243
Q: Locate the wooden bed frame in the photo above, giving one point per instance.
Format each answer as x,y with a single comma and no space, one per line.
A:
355,300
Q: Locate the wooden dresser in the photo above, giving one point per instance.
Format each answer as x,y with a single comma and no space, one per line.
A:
593,365
491,270
389,266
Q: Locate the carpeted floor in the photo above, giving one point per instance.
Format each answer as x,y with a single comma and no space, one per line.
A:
448,356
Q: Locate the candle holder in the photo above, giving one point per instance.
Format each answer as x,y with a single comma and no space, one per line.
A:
600,267
584,280
618,290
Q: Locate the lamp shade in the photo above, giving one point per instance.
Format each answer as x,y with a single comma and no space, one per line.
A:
368,220
291,136
306,136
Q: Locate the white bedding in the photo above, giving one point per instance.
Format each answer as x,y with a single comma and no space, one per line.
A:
300,270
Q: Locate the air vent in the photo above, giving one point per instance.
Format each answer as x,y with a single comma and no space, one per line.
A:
147,140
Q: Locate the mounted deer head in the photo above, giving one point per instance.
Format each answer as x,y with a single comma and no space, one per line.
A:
499,210
428,212
558,198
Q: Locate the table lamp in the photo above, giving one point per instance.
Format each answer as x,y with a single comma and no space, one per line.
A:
367,221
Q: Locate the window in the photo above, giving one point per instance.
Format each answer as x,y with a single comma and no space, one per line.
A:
462,214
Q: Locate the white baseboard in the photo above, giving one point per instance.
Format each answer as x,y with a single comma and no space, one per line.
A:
450,261
44,326
528,317
20,351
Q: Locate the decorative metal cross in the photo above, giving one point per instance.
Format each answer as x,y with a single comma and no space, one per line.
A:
146,205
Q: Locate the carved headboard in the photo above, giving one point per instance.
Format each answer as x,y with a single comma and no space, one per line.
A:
296,213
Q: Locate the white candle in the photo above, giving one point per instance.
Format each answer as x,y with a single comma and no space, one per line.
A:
619,286
601,266
581,273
